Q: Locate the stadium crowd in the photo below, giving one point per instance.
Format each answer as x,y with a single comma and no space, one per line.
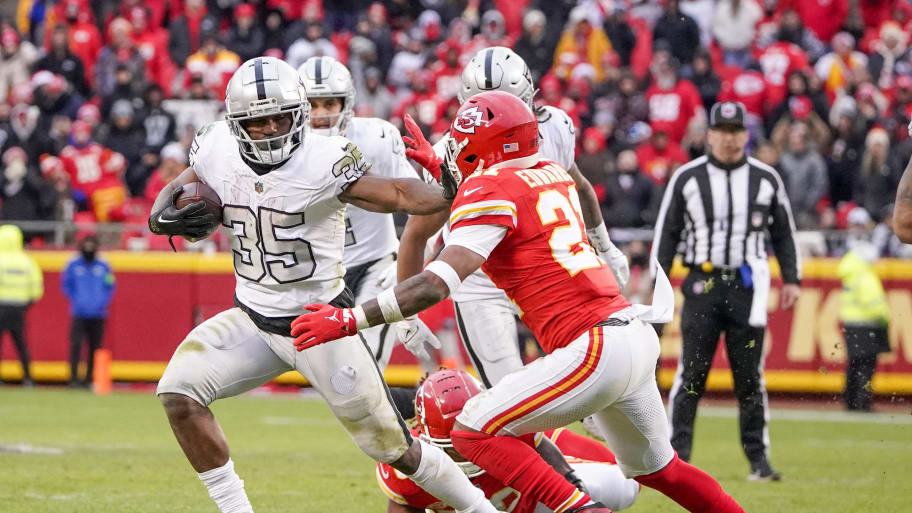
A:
99,99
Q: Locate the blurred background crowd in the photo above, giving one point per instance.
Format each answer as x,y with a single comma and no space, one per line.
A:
99,99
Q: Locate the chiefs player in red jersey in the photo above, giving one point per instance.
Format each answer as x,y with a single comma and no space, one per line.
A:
518,218
581,460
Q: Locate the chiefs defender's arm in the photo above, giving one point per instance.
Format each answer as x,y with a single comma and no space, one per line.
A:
427,288
592,213
596,230
395,507
395,195
418,229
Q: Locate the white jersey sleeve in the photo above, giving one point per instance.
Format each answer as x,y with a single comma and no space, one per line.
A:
371,236
286,225
558,136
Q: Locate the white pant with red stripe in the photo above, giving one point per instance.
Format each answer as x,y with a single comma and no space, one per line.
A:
609,373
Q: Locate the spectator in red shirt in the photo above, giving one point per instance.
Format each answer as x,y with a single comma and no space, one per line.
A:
823,17
246,36
94,173
84,37
660,156
185,30
778,61
447,70
673,102
152,42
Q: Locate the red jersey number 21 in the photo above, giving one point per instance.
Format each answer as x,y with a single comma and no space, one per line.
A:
568,245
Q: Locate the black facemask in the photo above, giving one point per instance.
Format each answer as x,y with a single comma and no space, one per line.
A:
89,254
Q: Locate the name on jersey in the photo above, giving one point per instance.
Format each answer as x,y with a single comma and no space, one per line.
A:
542,176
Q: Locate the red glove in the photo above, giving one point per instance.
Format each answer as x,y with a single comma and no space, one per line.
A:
419,149
324,324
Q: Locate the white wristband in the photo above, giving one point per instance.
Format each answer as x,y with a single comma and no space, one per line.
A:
446,273
598,238
360,318
389,305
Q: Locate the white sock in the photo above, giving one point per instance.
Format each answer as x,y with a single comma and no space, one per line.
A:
439,475
226,489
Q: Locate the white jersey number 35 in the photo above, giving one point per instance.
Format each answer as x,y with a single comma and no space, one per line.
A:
258,250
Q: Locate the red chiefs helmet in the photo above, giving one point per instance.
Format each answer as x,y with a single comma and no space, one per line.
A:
439,400
490,128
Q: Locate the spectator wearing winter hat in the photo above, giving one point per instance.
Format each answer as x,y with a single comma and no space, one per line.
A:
899,113
844,157
124,89
838,68
158,124
16,59
595,161
673,102
631,198
152,42
185,30
84,38
799,103
374,100
659,157
25,196
877,179
127,137
214,63
587,42
246,37
61,61
536,44
96,179
805,175
704,78
121,52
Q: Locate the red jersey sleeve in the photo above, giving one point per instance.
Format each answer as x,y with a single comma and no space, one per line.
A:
400,489
483,200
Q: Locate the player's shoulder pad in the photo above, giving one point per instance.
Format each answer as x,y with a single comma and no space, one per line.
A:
398,487
549,114
481,198
206,137
342,154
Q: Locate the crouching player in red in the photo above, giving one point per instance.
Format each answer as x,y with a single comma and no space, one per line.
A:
518,218
582,461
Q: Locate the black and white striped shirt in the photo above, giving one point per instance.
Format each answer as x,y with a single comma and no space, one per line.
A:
718,215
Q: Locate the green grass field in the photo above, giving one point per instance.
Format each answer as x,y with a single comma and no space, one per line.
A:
65,451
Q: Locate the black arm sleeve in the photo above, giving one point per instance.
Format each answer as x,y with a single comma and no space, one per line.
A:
669,224
782,235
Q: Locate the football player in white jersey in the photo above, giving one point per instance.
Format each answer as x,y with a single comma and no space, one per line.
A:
370,237
284,194
484,315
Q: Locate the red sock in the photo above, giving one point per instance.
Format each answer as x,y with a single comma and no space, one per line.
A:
518,466
692,488
572,444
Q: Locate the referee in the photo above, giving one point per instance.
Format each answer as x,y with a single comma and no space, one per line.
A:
717,212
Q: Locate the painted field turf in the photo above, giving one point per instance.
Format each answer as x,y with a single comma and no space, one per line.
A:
64,451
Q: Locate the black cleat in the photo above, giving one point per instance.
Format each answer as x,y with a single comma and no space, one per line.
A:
761,471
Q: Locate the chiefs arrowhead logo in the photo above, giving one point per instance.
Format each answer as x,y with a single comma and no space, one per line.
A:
468,120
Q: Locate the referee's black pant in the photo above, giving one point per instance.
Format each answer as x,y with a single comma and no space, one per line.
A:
716,303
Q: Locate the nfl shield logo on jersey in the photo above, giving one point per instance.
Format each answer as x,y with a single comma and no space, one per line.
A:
258,186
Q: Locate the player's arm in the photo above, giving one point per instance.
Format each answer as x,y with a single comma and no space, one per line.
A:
418,230
395,195
395,507
596,229
324,323
191,221
902,210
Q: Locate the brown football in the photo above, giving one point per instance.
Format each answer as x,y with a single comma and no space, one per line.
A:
198,191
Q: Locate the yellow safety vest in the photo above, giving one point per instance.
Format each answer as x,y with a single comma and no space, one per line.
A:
21,281
863,300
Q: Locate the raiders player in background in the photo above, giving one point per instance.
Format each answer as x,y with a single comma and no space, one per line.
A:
284,194
370,237
484,315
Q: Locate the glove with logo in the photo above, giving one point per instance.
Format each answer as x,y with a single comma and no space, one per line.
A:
419,149
414,335
193,221
323,324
